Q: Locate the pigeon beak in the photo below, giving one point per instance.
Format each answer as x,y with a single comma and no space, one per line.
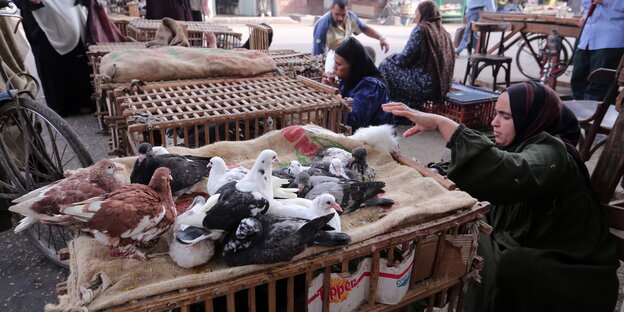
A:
336,206
209,165
119,167
276,160
141,157
170,178
300,186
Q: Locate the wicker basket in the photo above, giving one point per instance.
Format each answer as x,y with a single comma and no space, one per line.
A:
471,106
444,248
145,30
197,113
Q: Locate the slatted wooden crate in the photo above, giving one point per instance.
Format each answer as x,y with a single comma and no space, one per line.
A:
145,30
197,113
259,36
444,261
291,62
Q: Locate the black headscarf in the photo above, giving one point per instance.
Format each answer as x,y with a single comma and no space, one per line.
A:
360,64
536,108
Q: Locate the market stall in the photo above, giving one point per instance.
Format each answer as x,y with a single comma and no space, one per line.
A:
422,247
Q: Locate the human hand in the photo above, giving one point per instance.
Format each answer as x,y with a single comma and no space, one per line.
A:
35,1
582,21
598,1
423,121
383,43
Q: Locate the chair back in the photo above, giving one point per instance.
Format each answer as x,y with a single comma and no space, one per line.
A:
484,30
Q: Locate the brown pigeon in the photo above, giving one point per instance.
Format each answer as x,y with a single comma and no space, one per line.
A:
99,179
133,215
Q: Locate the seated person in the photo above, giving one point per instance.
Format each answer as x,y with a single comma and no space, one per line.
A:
361,80
340,23
423,71
550,249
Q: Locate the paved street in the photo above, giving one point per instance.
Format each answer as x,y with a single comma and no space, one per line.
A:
28,280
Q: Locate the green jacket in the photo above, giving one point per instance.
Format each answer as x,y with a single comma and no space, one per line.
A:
550,233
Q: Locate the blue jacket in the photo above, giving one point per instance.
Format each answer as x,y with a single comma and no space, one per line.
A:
322,26
368,95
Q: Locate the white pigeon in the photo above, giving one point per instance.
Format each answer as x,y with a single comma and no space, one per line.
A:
383,137
295,168
198,252
220,174
259,178
320,206
336,168
325,204
336,152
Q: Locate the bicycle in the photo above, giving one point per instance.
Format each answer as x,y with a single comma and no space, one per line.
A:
36,148
531,60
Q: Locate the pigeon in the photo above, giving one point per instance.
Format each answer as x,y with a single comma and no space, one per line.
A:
248,197
351,195
133,216
336,169
186,170
360,168
304,182
101,178
269,238
190,246
322,205
220,175
383,137
334,152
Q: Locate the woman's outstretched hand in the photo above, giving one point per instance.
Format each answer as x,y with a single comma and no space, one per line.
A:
423,121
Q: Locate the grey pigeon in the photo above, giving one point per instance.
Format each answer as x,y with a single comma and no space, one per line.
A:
358,165
351,195
186,170
271,238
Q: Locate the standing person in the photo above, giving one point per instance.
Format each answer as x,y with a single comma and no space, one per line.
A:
473,7
337,25
360,80
601,46
55,30
199,9
423,71
179,10
550,248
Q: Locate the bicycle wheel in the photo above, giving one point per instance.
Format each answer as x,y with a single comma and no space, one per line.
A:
36,147
528,58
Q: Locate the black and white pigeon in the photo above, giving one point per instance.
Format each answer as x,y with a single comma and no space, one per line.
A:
351,195
186,170
269,238
248,197
358,165
331,153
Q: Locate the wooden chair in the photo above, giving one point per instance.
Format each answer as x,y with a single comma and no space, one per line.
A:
481,59
597,116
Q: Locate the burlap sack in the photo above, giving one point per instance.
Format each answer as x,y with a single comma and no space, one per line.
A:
171,63
13,51
134,279
170,33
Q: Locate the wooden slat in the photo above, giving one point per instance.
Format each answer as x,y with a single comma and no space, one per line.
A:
208,306
326,287
272,297
251,299
290,294
231,305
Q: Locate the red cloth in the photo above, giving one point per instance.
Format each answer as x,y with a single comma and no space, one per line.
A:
100,28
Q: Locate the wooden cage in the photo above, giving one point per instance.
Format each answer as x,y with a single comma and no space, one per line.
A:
443,260
196,113
145,30
259,36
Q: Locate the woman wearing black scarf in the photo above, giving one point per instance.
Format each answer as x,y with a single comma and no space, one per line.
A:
361,80
550,249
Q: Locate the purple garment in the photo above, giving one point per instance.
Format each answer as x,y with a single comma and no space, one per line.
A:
179,10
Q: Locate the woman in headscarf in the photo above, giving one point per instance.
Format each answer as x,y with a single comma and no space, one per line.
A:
359,79
423,71
550,249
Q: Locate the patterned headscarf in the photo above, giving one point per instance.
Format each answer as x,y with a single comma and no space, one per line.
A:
360,64
438,51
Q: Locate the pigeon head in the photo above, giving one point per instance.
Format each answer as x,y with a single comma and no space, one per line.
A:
302,179
105,173
359,154
143,149
160,180
217,164
247,228
294,168
326,202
